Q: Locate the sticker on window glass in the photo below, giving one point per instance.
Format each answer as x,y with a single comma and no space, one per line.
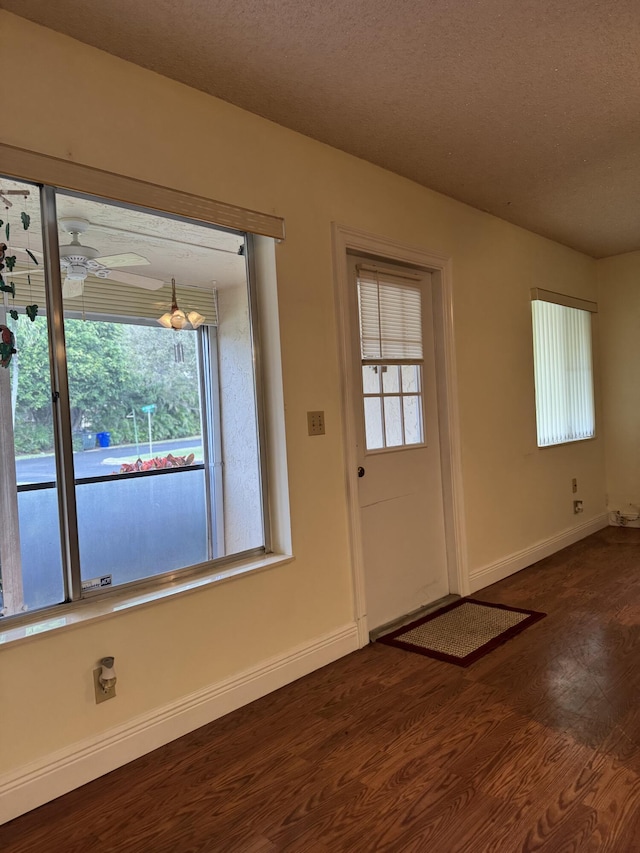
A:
96,583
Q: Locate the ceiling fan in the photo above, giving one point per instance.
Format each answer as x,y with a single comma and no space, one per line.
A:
78,262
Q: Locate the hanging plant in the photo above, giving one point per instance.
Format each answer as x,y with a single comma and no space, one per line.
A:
8,262
7,346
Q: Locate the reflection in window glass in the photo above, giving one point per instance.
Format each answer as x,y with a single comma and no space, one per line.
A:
392,421
410,378
371,378
373,423
390,378
412,420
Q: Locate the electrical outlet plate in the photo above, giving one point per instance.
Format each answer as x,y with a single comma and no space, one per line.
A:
315,423
101,695
578,507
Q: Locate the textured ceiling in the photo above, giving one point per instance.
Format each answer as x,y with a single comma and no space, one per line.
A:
529,109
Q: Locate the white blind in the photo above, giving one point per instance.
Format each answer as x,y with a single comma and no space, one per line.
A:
390,317
115,299
563,373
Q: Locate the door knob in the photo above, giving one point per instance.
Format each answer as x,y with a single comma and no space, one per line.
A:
361,471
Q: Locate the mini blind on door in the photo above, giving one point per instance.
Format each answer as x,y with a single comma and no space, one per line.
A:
390,316
563,373
115,299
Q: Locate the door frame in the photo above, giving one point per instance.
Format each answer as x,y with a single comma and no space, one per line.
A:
351,240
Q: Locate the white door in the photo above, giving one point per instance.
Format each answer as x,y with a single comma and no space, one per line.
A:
398,452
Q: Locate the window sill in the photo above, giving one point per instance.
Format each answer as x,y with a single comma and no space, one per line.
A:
79,613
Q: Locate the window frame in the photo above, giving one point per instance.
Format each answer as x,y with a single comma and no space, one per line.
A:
578,304
210,403
403,278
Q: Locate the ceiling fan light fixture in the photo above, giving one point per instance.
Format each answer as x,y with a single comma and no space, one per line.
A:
176,317
76,272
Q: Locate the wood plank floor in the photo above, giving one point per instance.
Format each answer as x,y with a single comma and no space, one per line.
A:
534,747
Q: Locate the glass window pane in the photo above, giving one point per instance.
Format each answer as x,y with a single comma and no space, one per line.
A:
373,423
371,378
412,420
155,534
40,546
391,378
393,421
135,408
31,563
142,377
410,378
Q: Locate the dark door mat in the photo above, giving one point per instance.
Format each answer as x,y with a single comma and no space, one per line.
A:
462,632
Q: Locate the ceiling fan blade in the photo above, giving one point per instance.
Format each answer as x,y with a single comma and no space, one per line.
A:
137,280
126,259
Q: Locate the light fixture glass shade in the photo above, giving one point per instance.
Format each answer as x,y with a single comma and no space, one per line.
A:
195,319
178,319
165,320
72,287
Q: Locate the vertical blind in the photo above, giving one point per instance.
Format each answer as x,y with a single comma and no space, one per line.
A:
390,317
563,373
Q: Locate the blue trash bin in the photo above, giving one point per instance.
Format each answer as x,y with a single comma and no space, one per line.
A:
104,439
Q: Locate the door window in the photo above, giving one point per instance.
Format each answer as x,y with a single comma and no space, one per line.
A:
391,350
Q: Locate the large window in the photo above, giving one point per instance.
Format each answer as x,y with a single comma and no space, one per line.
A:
130,448
563,368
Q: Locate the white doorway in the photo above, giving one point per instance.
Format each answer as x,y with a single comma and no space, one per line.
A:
400,426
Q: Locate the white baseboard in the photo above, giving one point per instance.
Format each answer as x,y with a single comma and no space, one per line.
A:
56,774
521,559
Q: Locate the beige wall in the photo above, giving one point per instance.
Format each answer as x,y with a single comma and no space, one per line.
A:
619,318
136,123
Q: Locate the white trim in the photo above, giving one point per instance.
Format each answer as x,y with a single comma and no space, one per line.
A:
23,629
495,572
350,239
43,780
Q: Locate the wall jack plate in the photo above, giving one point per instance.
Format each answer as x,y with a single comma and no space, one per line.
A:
101,696
578,507
315,423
